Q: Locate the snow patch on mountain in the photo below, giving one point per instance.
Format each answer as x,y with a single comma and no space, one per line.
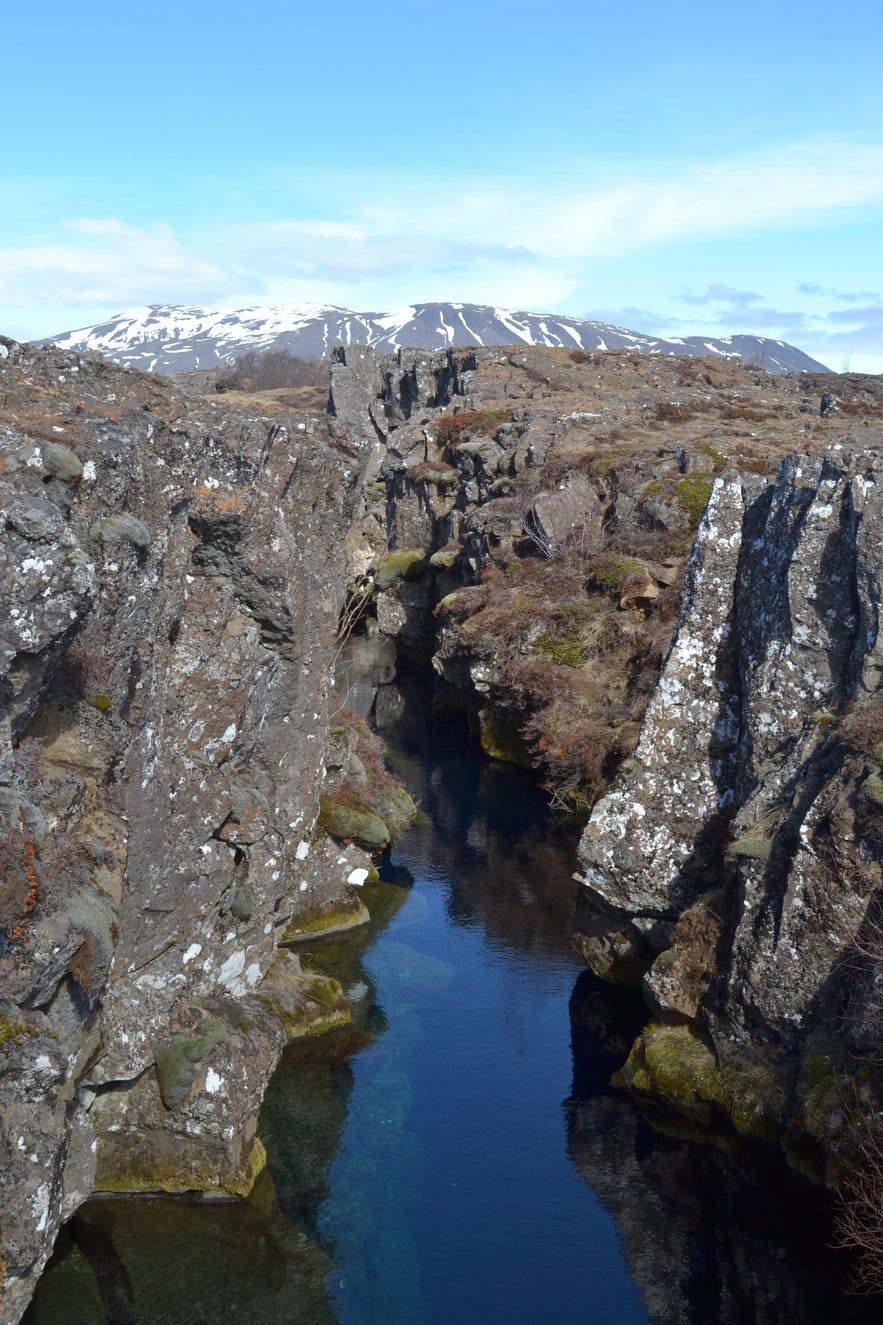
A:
165,338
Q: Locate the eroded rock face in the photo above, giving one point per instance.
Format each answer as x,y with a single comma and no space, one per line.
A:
735,859
172,576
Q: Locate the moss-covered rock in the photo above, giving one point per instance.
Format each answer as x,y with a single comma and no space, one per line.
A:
349,824
403,564
177,1060
363,802
62,461
501,739
337,917
166,1177
692,494
673,1064
306,1002
872,787
123,528
445,559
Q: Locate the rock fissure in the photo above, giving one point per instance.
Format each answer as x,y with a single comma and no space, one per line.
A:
182,793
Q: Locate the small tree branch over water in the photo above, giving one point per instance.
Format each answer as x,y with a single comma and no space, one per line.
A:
859,1223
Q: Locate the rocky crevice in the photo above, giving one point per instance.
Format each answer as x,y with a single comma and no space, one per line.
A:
182,802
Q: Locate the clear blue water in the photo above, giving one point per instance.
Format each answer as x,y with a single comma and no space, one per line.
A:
451,1197
461,1157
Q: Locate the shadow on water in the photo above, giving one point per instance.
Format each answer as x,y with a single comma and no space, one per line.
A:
422,1168
715,1231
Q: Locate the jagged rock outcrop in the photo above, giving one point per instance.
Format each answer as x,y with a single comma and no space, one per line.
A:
735,863
172,577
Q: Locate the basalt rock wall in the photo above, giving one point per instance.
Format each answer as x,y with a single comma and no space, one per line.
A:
734,865
172,575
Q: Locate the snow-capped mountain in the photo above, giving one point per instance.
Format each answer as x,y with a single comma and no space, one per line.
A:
165,338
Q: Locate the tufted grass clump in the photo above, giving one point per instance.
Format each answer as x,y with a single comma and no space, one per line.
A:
750,848
15,1031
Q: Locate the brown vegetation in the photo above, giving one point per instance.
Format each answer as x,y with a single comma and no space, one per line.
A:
267,370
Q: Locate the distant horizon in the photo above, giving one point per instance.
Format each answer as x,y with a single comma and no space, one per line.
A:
389,312
662,171
180,337
410,304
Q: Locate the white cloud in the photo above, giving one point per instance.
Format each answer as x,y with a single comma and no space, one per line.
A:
528,243
112,264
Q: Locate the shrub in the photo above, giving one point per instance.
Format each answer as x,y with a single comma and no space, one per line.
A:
670,411
451,427
268,370
863,727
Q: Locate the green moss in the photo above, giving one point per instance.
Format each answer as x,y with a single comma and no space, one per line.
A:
15,1032
346,914
502,740
404,564
568,649
352,825
704,448
821,1092
307,1003
177,1057
445,560
755,1098
673,1064
102,702
611,571
122,528
692,494
872,787
152,1177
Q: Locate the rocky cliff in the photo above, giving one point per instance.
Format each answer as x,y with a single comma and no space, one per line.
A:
734,866
171,757
172,576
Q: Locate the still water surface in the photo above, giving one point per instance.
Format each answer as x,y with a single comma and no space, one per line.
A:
460,1157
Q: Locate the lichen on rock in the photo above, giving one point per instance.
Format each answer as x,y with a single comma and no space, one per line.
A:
749,779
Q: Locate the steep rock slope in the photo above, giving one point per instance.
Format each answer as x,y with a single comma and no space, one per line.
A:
167,338
171,579
736,861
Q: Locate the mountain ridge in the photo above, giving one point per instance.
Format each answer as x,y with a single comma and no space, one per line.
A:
164,338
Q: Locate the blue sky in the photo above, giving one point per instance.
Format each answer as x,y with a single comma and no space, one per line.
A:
674,168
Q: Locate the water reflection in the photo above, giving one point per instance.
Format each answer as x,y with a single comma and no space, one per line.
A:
713,1230
421,1168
